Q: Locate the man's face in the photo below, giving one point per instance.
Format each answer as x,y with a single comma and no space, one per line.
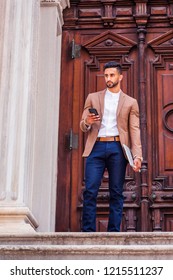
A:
112,77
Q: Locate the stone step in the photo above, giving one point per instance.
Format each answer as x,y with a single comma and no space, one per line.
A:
90,252
78,238
157,245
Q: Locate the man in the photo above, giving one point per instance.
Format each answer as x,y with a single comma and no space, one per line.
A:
117,123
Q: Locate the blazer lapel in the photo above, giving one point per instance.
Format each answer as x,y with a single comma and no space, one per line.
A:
101,101
121,101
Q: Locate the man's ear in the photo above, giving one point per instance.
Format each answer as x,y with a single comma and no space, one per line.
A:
121,77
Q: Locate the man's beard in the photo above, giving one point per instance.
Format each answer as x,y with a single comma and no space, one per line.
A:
111,84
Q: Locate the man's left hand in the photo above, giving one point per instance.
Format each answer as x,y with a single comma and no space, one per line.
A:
137,165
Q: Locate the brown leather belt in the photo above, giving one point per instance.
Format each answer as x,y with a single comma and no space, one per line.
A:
108,139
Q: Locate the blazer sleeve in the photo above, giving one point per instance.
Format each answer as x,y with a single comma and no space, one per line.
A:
134,128
87,105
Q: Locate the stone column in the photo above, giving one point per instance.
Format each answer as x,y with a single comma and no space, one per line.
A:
47,114
19,21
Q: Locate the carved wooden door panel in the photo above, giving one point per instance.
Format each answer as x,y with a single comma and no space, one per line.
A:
93,34
160,157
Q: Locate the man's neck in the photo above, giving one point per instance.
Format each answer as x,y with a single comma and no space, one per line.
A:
114,90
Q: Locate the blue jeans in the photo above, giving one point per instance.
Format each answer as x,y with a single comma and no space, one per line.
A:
104,155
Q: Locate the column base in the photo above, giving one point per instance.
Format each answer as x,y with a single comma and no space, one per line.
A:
18,220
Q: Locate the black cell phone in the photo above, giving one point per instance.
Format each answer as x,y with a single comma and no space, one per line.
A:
93,111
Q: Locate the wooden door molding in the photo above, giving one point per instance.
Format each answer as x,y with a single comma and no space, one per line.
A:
163,43
107,43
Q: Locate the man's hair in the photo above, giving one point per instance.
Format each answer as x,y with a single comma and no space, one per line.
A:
113,64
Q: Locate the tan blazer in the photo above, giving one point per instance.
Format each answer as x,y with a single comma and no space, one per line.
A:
127,121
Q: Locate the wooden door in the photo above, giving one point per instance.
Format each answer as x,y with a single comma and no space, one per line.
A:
93,34
160,131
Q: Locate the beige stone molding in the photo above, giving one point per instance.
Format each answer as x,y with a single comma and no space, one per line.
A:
61,5
17,220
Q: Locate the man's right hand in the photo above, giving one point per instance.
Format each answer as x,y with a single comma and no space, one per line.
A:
91,118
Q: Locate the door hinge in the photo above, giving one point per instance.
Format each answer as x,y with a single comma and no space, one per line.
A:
73,140
75,50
